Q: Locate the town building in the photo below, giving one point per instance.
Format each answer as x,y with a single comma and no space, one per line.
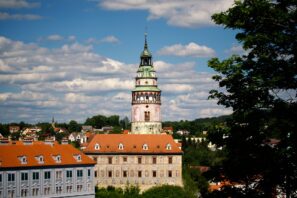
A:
146,97
143,160
44,169
14,128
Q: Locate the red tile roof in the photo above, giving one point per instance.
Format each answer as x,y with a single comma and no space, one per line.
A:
11,152
132,143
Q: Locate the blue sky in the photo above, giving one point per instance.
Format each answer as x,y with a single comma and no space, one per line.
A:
73,59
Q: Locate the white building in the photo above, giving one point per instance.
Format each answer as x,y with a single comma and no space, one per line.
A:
44,169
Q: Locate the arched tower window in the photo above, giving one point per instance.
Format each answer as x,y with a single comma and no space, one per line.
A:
146,116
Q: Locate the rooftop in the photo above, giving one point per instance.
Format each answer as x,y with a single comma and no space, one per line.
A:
30,154
133,143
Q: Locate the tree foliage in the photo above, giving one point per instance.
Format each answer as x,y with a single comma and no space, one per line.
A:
99,121
261,88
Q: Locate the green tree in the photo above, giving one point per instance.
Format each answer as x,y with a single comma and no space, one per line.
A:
261,89
165,191
73,126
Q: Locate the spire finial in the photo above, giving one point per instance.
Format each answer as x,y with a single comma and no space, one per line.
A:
145,38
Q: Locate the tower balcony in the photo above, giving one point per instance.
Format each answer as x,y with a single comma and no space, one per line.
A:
146,102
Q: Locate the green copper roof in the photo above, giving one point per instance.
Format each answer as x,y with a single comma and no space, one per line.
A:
146,71
148,88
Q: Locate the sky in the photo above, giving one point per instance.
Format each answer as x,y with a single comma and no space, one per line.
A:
73,59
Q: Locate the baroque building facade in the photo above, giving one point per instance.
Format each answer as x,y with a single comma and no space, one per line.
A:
146,97
142,160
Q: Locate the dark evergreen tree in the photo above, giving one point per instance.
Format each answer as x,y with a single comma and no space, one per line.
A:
261,88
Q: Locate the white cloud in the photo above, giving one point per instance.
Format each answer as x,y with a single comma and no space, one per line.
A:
236,49
107,39
16,4
188,13
7,16
71,38
74,82
55,37
192,49
110,39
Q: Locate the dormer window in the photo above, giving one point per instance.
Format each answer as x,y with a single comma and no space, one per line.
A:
97,146
57,158
121,146
23,159
39,159
168,147
145,147
77,157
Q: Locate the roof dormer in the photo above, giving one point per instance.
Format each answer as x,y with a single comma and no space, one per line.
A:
23,159
77,157
57,158
97,146
39,159
121,146
145,147
168,147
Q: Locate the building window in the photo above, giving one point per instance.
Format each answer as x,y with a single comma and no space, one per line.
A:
79,188
109,160
154,160
0,177
11,177
146,116
46,190
58,189
35,175
58,175
79,173
169,160
95,174
24,192
121,146
154,173
170,173
47,175
139,160
10,193
139,174
24,176
35,191
69,174
97,147
77,157
145,147
69,189
95,159
109,173
124,159
89,172
125,173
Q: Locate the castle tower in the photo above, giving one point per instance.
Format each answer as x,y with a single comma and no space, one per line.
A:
146,97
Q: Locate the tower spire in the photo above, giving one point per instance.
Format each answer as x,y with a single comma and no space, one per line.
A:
145,40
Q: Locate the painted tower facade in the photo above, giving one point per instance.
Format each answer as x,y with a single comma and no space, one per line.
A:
146,97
